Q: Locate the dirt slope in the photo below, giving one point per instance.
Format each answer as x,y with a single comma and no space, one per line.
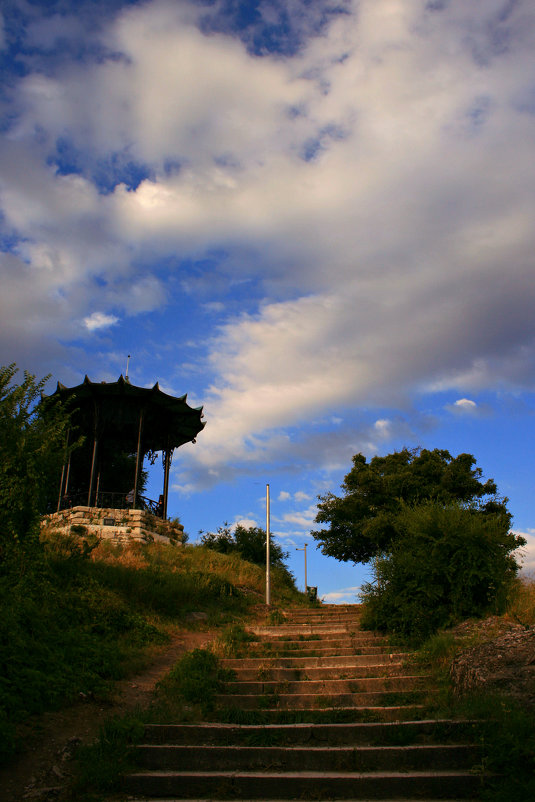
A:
42,772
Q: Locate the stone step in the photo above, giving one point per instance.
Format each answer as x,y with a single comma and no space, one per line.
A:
325,609
317,621
315,701
302,785
420,757
331,713
338,686
317,630
354,734
327,714
268,674
313,649
342,662
342,639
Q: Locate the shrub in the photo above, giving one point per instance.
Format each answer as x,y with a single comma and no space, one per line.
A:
195,680
446,564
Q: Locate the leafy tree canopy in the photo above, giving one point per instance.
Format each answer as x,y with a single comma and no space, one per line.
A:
447,563
248,542
363,522
32,450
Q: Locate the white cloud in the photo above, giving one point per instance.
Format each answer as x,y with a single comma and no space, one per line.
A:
392,234
342,596
465,405
527,554
383,427
304,519
99,320
247,523
284,495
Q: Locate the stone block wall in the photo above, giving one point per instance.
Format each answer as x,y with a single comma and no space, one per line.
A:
111,524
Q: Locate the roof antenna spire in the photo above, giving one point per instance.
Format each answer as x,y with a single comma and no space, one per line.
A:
127,363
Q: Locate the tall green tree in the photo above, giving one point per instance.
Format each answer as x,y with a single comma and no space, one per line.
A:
32,450
248,541
363,522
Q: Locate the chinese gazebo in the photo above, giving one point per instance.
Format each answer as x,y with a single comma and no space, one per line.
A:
121,425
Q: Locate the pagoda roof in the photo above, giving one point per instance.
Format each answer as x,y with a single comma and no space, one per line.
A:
168,421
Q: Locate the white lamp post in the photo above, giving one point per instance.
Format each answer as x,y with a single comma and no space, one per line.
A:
305,550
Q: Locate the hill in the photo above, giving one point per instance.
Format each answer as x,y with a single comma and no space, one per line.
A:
79,620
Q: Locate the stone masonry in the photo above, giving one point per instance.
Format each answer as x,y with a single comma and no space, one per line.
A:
113,524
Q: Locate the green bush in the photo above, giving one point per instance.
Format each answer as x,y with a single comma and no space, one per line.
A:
250,544
195,680
445,564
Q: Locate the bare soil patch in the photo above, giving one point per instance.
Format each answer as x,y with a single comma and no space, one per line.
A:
503,662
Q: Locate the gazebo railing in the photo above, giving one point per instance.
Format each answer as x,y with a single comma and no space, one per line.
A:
115,501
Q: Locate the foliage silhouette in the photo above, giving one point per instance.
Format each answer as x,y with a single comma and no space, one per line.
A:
363,522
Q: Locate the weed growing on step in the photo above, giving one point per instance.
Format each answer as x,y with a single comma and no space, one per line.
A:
195,681
232,640
264,674
275,618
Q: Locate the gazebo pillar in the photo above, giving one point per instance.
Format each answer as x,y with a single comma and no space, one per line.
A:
95,452
64,469
138,457
168,453
93,465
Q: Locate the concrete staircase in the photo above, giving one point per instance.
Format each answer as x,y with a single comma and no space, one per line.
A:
332,714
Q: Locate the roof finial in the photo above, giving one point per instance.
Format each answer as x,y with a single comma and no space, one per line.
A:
127,363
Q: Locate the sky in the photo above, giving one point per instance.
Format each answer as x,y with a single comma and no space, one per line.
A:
314,217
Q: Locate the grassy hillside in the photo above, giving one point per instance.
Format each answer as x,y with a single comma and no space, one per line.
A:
74,621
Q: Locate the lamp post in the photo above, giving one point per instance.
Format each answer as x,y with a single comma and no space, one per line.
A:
268,585
305,550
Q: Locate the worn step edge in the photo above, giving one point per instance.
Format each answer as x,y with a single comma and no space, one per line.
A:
296,701
420,757
376,785
331,661
319,674
306,686
355,732
361,713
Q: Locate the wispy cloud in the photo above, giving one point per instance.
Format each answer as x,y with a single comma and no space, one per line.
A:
100,320
369,186
342,596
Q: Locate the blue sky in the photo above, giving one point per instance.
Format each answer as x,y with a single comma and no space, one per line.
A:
314,217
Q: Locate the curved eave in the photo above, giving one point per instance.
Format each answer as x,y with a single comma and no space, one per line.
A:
169,422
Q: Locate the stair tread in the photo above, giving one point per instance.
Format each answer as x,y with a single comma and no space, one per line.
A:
301,774
388,754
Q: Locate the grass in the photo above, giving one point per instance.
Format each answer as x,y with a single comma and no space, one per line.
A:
75,620
504,729
100,765
521,602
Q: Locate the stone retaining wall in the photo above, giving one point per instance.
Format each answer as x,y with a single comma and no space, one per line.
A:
111,524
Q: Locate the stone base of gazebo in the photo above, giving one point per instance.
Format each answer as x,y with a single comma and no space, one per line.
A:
120,526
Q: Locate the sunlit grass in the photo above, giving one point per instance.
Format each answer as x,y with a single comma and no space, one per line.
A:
521,601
